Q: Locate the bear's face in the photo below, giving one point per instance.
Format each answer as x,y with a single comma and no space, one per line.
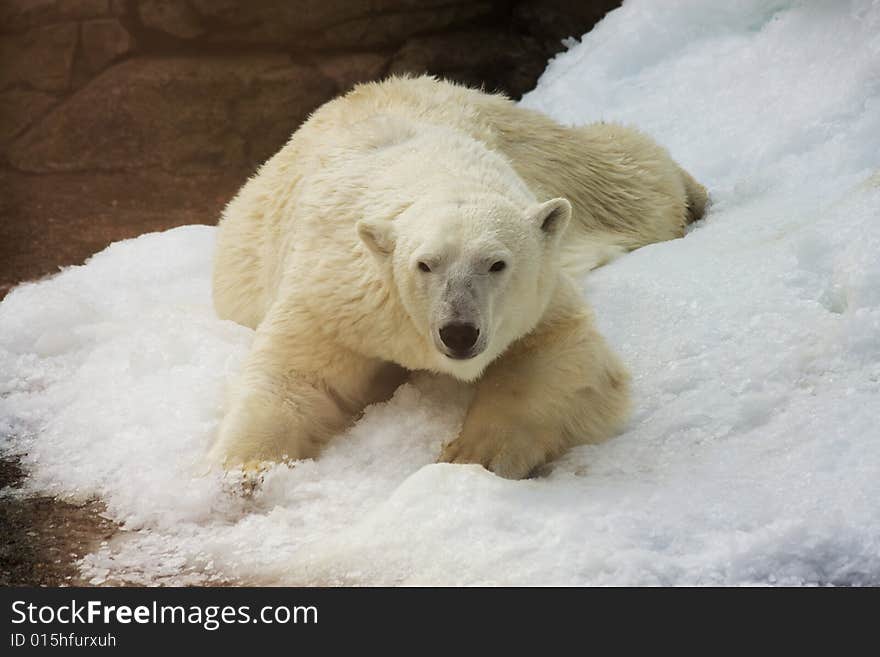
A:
473,275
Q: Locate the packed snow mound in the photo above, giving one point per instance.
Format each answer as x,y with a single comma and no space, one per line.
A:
753,455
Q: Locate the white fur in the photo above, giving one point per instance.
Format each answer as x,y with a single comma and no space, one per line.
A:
321,252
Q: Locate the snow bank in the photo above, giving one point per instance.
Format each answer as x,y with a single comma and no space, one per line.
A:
754,452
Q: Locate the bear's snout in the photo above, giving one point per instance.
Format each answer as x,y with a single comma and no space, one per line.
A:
460,339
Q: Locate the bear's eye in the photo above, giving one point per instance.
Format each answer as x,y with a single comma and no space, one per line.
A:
498,266
423,266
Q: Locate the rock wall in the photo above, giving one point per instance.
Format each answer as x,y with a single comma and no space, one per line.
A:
103,99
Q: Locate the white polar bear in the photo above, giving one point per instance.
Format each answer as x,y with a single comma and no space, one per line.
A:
414,224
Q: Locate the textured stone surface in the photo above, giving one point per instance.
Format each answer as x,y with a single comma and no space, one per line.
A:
347,69
19,108
174,17
181,114
277,101
41,58
18,15
335,23
189,67
393,28
104,41
276,22
503,61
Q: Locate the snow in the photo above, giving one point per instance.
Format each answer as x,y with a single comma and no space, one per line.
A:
753,456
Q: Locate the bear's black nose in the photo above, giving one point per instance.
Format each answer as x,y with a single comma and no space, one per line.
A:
460,338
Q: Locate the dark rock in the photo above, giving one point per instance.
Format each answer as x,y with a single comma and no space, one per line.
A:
181,114
174,17
275,21
41,58
382,29
333,23
20,108
552,20
19,15
498,61
104,41
348,69
277,101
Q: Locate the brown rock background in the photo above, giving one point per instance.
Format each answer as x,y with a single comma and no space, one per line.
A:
119,117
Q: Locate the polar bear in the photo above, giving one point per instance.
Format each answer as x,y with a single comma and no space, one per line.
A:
414,224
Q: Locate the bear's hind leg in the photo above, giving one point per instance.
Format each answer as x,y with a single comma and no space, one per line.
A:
697,198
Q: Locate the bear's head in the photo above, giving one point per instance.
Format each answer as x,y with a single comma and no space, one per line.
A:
473,274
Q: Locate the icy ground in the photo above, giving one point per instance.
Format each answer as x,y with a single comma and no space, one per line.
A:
754,452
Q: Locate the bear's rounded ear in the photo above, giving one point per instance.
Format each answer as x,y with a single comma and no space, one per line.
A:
377,235
552,216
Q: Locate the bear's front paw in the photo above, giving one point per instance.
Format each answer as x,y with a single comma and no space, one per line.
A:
249,477
257,432
509,453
